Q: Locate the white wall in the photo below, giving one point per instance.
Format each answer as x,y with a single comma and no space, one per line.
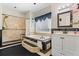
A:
55,11
28,23
54,15
42,11
11,12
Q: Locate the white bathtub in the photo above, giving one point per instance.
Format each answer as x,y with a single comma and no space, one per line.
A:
39,37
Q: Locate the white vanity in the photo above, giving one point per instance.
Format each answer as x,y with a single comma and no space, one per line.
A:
65,44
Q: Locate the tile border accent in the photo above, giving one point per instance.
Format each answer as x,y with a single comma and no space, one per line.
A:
64,29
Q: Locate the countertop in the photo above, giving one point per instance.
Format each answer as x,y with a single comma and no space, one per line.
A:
70,34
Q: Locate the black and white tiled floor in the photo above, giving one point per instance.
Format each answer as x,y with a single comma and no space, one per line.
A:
16,51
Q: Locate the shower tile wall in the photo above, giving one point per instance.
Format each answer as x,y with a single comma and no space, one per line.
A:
15,27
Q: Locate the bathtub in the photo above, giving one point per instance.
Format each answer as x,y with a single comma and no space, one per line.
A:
43,43
39,37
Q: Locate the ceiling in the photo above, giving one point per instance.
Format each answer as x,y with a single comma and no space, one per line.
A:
24,7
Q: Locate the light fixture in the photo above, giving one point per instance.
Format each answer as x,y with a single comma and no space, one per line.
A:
64,6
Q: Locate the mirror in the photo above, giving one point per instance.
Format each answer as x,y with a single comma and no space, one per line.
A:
65,19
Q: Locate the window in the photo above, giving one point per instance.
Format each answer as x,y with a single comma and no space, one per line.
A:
43,23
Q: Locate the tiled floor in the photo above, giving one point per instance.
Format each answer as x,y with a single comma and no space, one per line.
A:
16,51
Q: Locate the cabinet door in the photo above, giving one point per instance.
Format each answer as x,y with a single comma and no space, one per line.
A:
57,44
76,45
56,53
69,45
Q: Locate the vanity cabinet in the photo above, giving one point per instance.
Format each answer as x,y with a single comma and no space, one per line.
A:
67,45
57,44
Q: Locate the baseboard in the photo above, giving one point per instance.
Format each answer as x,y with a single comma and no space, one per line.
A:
10,43
10,46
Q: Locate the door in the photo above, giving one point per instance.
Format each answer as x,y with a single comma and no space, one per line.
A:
56,53
56,44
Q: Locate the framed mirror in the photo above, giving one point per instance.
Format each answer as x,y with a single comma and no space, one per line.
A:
65,19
